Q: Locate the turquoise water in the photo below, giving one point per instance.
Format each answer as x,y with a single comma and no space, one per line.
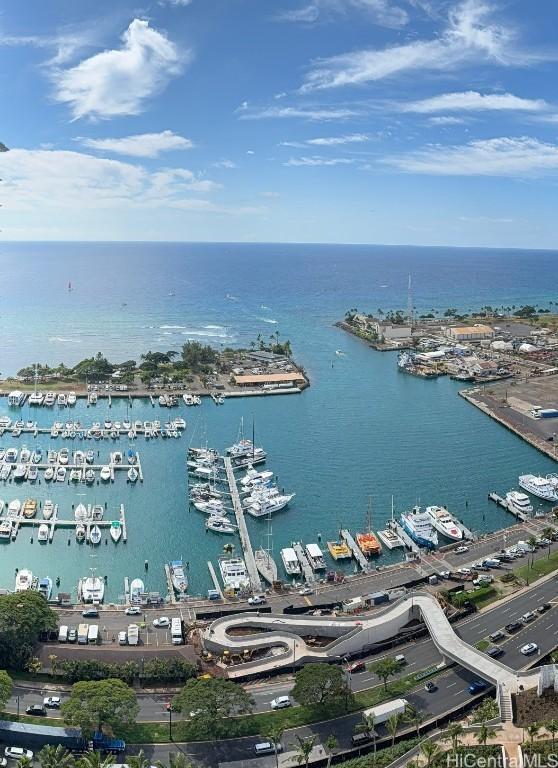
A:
361,429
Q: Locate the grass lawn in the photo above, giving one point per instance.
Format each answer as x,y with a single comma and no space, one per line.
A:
540,567
482,645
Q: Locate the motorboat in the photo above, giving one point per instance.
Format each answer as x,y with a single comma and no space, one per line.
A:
339,550
269,504
62,400
132,457
107,424
75,475
97,512
63,456
72,398
126,425
137,588
14,508
20,472
25,455
220,525
92,589
178,576
79,458
234,574
105,473
5,529
29,509
42,534
211,507
315,557
253,478
290,561
5,422
89,457
92,398
48,509
50,399
188,399
23,580
61,474
5,471
49,473
80,512
95,535
542,487
444,522
32,473
418,525
133,474
519,502
11,455
257,456
115,531
37,456
45,588
180,423
89,476
52,457
80,532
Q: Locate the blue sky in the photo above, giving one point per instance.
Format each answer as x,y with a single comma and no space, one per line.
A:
380,121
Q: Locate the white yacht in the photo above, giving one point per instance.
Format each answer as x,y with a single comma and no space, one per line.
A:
213,507
269,504
188,399
72,398
63,456
133,474
105,473
290,561
36,398
253,478
315,557
5,529
220,525
50,399
418,525
137,588
180,423
49,473
115,531
543,487
62,400
92,398
444,522
92,589
95,535
80,512
234,573
519,502
48,509
60,474
178,576
24,580
89,476
14,508
43,532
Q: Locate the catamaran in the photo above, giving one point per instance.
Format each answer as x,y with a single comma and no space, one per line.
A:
367,540
290,561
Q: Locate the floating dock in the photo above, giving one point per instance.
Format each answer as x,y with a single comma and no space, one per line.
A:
214,579
507,506
170,588
405,538
93,433
55,522
249,559
307,571
355,550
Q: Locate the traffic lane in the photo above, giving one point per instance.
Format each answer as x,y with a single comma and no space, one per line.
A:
508,537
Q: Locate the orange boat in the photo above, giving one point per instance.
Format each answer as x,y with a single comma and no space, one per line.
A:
368,542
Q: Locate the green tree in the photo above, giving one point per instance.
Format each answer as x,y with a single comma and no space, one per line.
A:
52,756
430,750
552,728
304,749
533,731
392,726
330,744
275,733
24,762
484,733
23,617
95,760
212,703
92,705
321,684
6,686
367,726
138,761
414,716
485,711
384,669
455,730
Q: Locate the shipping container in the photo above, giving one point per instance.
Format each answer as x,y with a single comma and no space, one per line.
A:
382,712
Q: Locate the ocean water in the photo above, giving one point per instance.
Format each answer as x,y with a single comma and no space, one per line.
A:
362,429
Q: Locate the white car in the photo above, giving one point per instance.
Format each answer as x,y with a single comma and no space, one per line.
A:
162,621
133,610
52,702
256,600
281,702
306,591
462,548
16,753
528,649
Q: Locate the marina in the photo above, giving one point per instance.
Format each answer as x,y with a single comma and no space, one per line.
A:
252,569
88,522
355,550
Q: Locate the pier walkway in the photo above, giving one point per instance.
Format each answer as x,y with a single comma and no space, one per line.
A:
249,558
307,571
405,538
355,550
507,506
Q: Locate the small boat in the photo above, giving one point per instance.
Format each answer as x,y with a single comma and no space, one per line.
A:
20,472
105,473
32,473
89,476
10,455
126,425
45,588
63,456
178,577
115,531
519,502
92,398
43,532
95,535
62,400
75,475
5,529
180,423
24,580
132,457
137,588
49,473
80,512
37,456
5,471
214,507
50,399
29,509
72,398
220,525
52,457
339,550
188,399
97,512
133,474
315,557
25,455
14,508
89,457
48,509
80,532
61,474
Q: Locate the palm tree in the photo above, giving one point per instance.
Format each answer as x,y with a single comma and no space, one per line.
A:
55,757
455,730
330,744
552,728
53,658
275,734
34,665
430,751
393,726
139,760
24,762
414,716
484,733
94,760
304,749
228,549
366,725
532,731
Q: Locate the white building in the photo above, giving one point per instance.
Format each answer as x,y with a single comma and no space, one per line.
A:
476,332
390,332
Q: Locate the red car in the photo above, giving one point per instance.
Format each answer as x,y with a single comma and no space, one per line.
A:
356,666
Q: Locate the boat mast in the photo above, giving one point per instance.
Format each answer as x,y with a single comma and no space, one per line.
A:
369,514
36,377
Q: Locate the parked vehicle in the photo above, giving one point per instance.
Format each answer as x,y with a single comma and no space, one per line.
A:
281,702
477,686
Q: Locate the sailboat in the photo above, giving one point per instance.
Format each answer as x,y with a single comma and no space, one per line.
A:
368,541
266,565
70,289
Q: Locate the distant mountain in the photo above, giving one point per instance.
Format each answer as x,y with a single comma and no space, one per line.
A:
3,148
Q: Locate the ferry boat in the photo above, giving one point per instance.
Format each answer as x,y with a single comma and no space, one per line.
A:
234,573
290,561
444,522
315,557
92,589
418,526
339,550
543,487
24,580
367,541
178,576
519,502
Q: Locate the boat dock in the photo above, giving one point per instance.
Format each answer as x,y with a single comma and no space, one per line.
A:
355,549
405,538
307,571
214,579
501,502
249,558
467,534
54,522
170,587
93,433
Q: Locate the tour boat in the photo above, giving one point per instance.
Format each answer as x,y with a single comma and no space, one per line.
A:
178,576
92,589
234,573
519,502
24,580
115,531
543,487
339,550
418,525
315,557
220,525
95,535
48,509
42,534
45,587
444,522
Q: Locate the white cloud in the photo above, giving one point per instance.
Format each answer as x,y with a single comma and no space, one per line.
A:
140,145
176,3
473,101
118,82
503,156
381,12
317,114
65,45
446,120
335,141
469,37
224,164
271,195
316,160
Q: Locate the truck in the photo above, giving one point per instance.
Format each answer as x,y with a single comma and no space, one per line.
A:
548,413
63,634
93,634
176,631
382,712
104,743
133,634
83,634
